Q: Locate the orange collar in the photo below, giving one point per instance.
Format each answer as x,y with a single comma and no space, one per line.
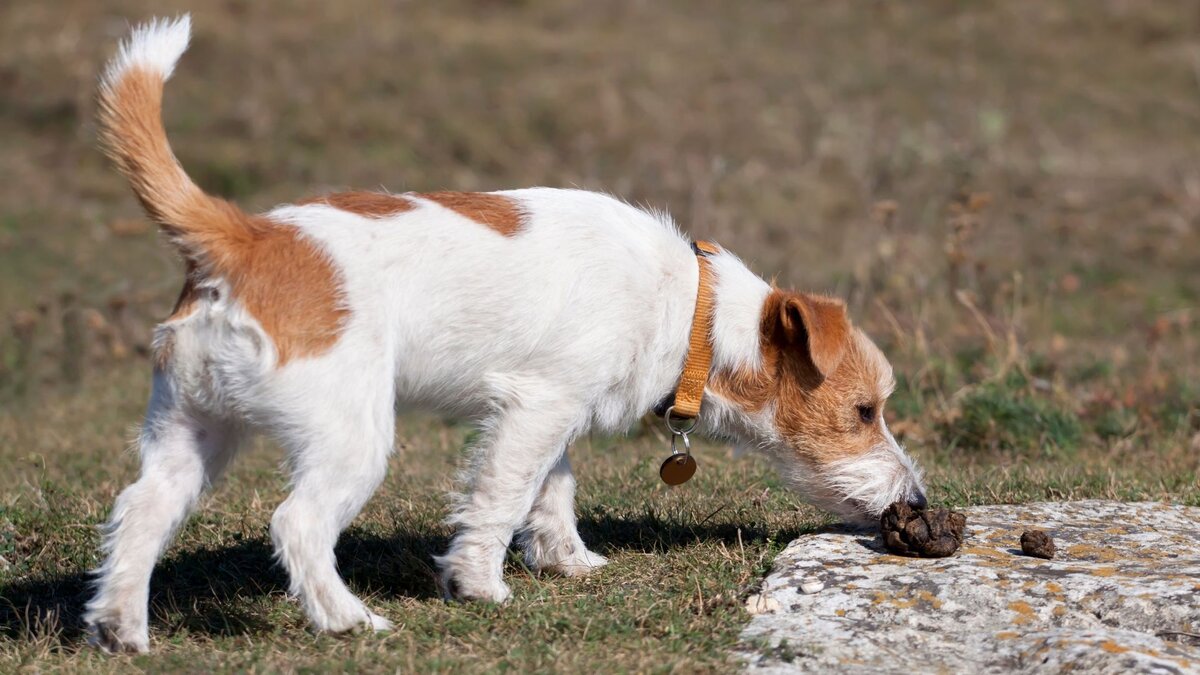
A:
690,392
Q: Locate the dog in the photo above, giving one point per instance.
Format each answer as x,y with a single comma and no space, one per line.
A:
538,313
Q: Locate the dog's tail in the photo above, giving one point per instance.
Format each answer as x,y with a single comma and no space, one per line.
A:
131,129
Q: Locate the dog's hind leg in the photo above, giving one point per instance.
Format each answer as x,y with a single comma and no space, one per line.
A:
182,453
532,425
338,439
550,538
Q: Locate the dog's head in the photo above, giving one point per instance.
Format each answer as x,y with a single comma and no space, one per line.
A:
815,402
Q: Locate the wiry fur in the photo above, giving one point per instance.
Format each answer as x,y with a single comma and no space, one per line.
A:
539,313
858,488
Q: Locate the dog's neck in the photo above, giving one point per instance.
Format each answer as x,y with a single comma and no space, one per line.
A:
737,314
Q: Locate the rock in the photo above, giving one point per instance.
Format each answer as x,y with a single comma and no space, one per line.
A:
1037,544
761,604
1124,574
933,533
812,587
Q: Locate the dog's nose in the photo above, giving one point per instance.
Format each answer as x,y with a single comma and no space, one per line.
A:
918,501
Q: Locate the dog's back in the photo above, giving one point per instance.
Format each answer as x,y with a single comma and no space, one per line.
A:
583,287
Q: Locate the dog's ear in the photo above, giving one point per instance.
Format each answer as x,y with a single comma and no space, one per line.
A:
813,323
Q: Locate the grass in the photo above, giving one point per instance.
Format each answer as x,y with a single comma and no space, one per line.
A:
1004,416
1005,193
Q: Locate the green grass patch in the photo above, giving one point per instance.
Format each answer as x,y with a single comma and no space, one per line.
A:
1006,416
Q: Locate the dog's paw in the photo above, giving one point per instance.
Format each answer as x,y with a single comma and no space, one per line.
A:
379,624
497,592
580,562
478,590
353,617
571,559
113,640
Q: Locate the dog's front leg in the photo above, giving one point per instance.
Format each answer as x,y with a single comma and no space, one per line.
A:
550,539
533,425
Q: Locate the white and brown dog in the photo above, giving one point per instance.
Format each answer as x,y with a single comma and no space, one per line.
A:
539,313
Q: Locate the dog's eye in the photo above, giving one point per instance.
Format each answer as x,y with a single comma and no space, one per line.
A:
866,413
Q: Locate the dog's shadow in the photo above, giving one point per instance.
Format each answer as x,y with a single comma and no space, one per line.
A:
648,533
220,591
217,591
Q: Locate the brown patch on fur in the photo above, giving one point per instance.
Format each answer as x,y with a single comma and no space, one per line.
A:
823,422
365,204
815,411
287,283
749,390
282,278
816,323
498,212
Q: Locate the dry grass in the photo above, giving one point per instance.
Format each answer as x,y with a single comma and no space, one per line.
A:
1007,193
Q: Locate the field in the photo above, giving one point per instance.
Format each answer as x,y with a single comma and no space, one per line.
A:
1006,193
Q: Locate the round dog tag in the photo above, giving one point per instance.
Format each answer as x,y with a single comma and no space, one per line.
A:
677,469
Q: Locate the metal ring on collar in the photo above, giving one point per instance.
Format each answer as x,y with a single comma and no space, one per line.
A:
679,431
687,444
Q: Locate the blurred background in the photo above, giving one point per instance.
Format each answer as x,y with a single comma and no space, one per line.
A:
1007,193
